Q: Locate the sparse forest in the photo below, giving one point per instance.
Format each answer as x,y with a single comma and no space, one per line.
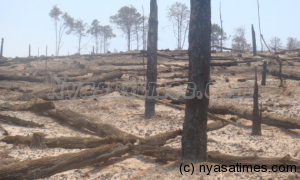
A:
220,109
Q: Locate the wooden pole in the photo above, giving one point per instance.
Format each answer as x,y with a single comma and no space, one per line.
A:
46,50
264,73
2,42
256,122
253,41
38,52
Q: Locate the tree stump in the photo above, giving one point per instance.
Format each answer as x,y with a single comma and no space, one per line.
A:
38,141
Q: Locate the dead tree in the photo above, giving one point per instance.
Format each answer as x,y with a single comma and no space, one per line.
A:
264,73
253,41
1,55
256,122
194,138
151,61
221,28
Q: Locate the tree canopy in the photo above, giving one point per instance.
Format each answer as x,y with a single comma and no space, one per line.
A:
179,15
126,19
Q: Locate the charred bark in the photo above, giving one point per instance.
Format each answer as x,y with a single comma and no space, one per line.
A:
194,139
256,122
151,61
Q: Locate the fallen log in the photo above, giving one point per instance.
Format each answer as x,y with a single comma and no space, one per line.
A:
4,77
269,162
6,159
33,105
120,63
164,153
284,75
172,154
46,94
48,166
247,113
213,116
19,122
65,142
216,125
101,78
281,58
225,48
4,132
161,139
267,118
101,129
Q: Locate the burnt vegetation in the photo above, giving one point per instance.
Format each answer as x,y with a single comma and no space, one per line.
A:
209,103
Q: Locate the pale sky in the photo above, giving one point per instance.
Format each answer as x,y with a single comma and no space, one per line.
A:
25,22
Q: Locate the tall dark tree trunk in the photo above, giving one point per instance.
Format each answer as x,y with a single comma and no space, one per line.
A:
194,138
256,122
151,61
2,42
253,41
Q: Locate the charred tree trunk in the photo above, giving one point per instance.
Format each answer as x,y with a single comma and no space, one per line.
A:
194,139
264,73
151,61
256,123
1,54
253,41
38,141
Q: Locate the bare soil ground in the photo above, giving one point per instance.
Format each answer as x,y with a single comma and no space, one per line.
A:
127,115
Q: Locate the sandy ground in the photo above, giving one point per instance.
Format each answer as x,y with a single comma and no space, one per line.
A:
127,115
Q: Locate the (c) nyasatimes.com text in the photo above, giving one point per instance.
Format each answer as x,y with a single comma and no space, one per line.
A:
239,167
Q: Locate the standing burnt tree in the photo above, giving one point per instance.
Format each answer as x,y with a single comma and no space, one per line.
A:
1,53
151,61
256,121
194,138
